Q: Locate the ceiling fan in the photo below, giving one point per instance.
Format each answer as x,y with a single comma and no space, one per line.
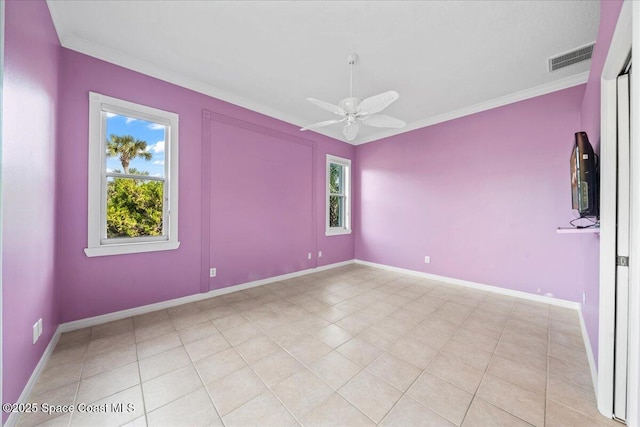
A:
353,110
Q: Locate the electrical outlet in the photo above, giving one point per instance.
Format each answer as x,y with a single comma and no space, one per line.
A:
40,326
36,333
319,254
212,272
427,259
309,255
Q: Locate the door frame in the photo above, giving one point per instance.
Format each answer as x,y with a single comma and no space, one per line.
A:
633,397
2,10
625,33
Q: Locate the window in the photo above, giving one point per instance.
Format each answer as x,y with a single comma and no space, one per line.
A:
338,196
133,178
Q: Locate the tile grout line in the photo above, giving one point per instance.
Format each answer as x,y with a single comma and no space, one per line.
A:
475,394
370,326
204,385
144,403
439,352
335,349
299,361
490,359
546,388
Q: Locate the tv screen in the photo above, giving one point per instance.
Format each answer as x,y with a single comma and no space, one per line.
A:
584,177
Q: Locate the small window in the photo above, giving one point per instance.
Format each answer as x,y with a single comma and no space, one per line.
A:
133,178
338,196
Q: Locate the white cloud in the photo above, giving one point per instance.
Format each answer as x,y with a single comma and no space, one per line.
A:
109,170
158,162
155,126
129,120
158,147
109,115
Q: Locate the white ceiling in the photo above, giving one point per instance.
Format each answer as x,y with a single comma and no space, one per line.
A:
445,58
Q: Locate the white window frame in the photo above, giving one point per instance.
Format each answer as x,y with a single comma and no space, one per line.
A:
97,243
346,164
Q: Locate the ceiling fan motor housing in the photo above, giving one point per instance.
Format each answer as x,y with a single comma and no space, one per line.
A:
350,105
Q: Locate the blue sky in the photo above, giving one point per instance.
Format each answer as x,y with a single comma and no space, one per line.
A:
152,133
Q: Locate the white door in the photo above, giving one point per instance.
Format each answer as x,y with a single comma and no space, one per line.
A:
622,247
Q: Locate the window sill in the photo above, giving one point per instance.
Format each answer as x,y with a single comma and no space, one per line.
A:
337,232
131,248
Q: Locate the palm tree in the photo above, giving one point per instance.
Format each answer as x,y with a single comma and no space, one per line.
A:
127,148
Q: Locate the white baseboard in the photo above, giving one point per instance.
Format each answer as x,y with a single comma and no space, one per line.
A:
475,285
97,320
123,314
518,294
26,392
592,361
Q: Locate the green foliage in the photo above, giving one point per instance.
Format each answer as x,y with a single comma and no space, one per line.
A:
134,208
127,148
335,178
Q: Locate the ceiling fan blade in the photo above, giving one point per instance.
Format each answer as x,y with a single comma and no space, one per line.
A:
350,131
382,121
321,124
377,103
326,106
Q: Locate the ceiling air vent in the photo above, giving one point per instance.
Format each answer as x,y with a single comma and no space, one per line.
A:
569,58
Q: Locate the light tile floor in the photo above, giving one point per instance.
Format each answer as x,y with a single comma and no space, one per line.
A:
353,346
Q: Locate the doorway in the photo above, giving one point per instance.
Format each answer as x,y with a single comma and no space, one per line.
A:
620,366
617,387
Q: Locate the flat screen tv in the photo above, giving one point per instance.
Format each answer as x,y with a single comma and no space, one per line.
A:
584,177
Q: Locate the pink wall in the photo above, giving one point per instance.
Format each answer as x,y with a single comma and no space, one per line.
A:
590,119
94,286
266,211
481,195
32,55
456,191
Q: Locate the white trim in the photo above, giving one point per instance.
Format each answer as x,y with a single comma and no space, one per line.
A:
489,288
2,8
98,320
587,344
337,231
123,314
26,392
78,44
522,95
633,383
346,165
606,309
113,56
96,220
616,57
131,248
621,353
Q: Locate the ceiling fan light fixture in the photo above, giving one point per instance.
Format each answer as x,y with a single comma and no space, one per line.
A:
352,109
350,131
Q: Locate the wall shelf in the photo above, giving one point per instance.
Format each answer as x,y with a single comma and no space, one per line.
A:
572,230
